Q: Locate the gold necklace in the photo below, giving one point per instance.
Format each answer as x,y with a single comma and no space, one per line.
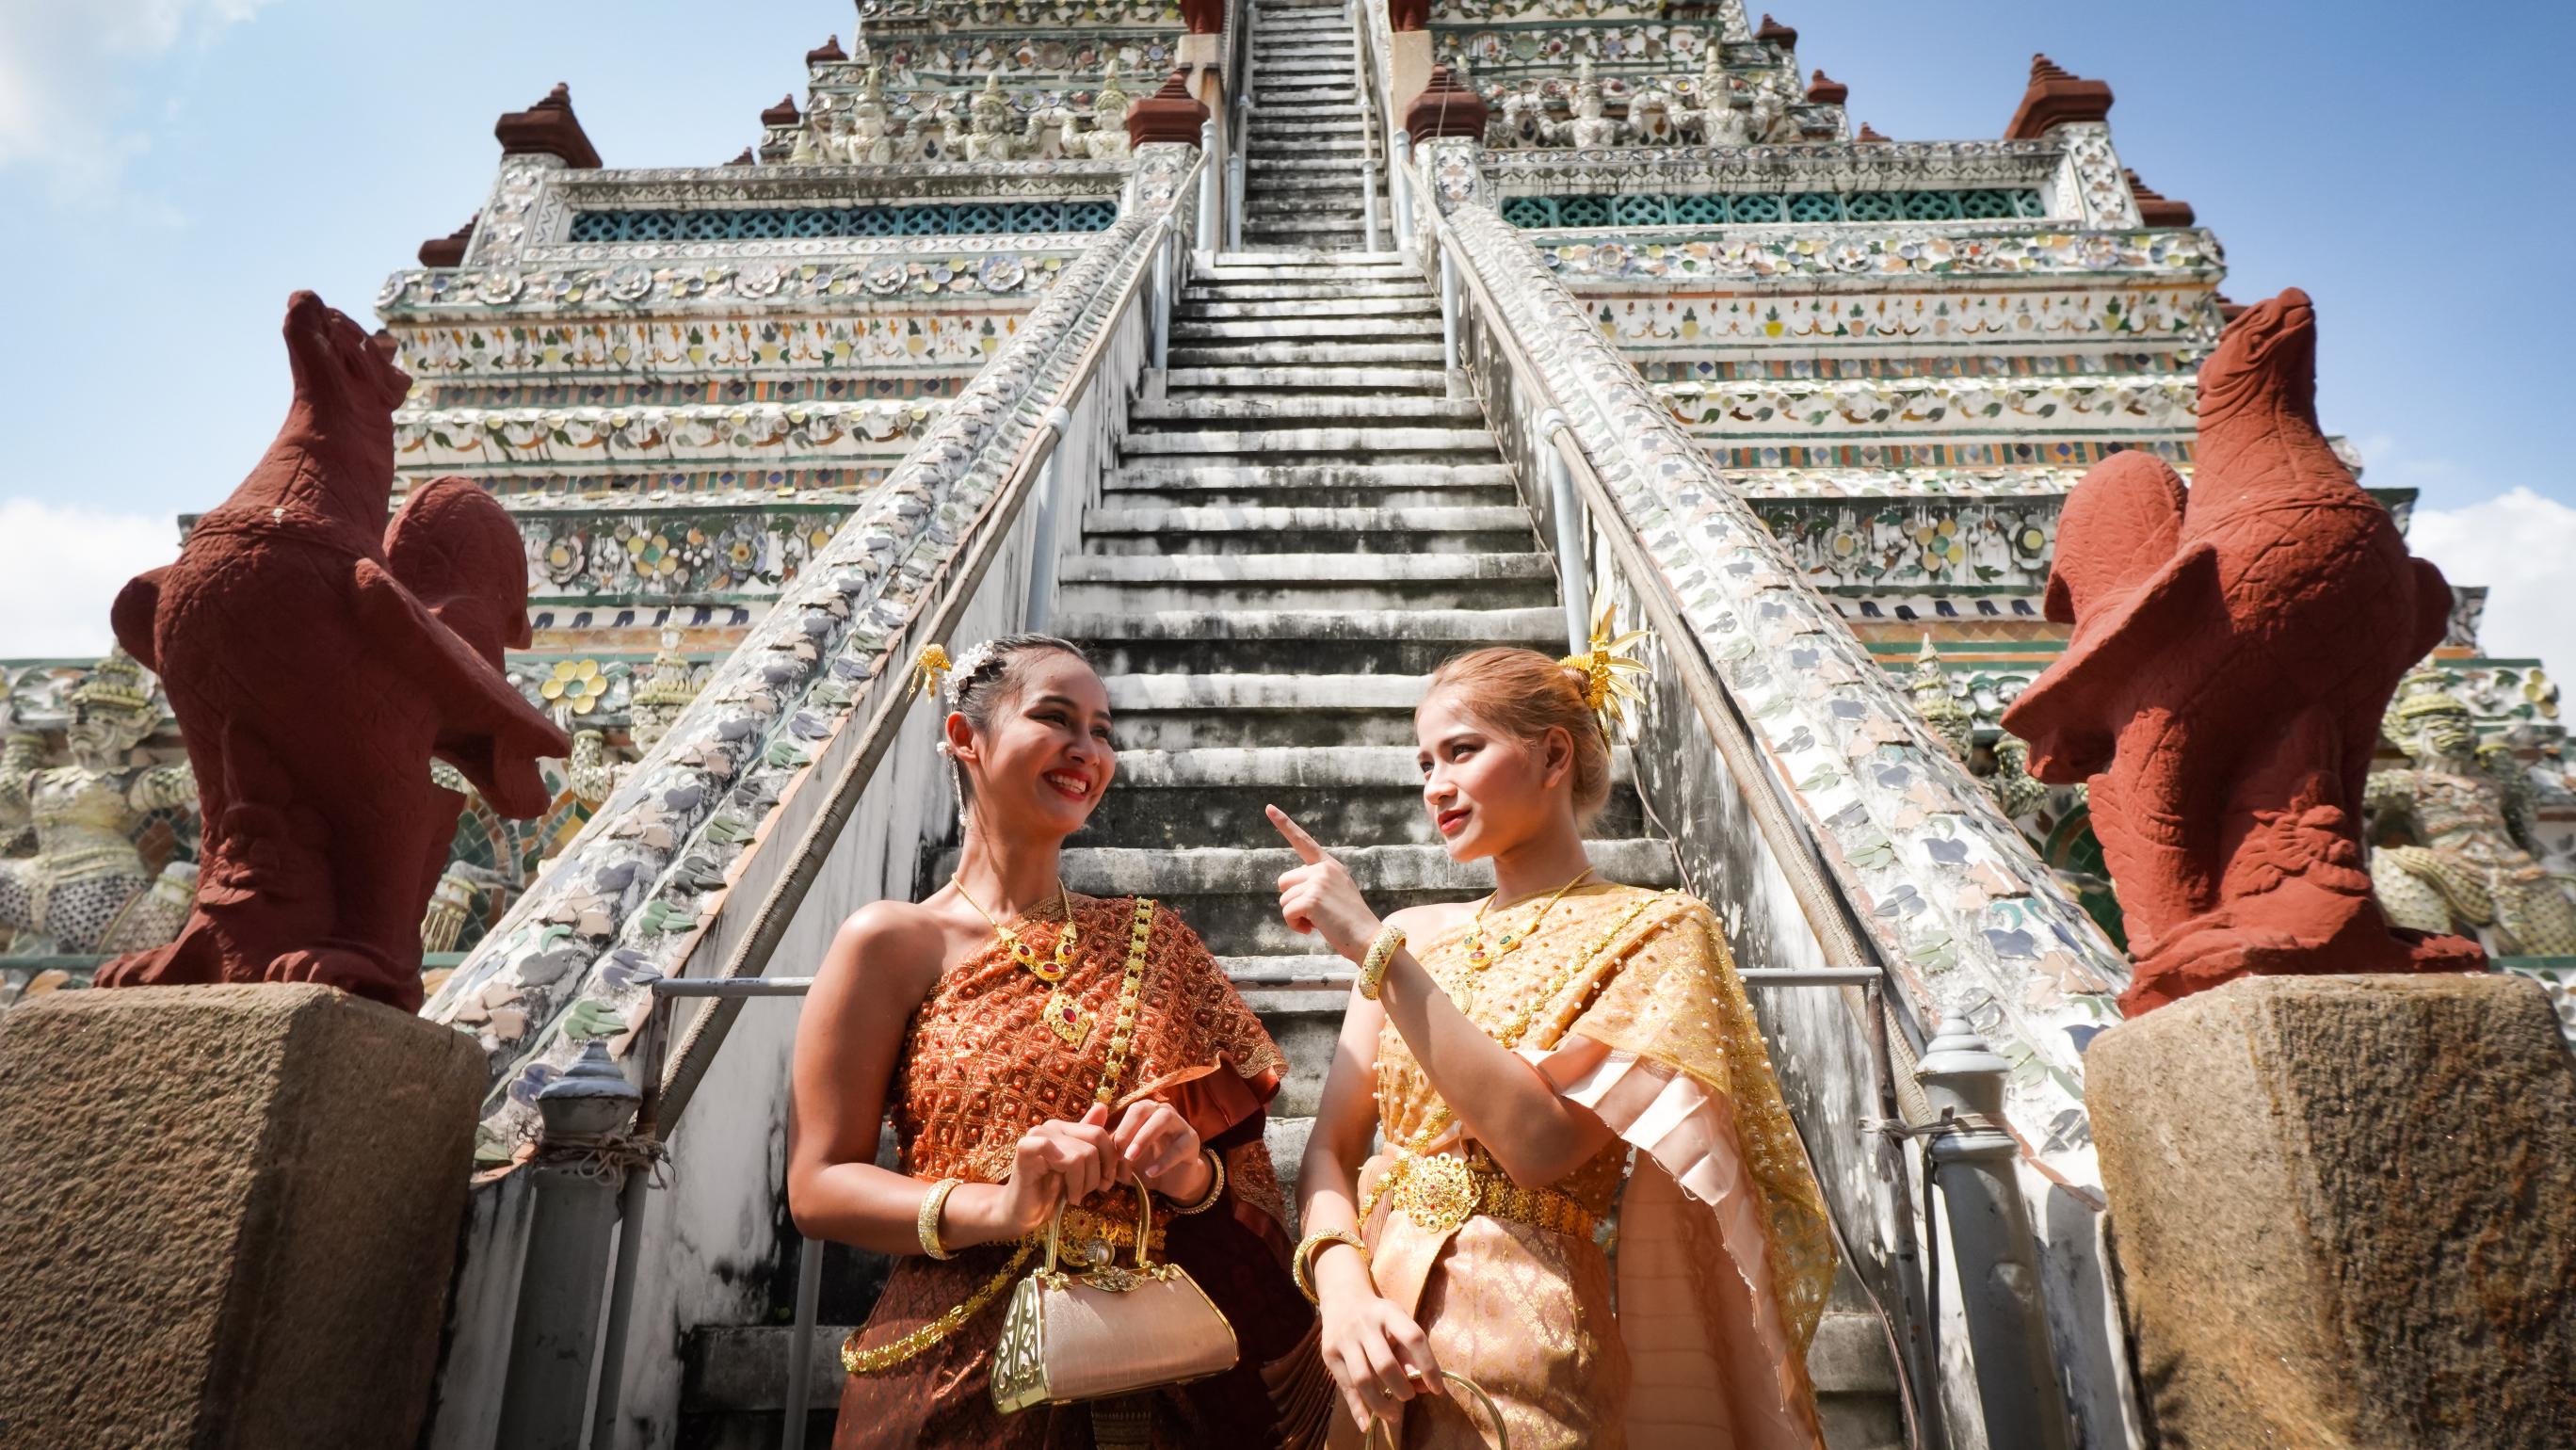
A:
1063,1012
1478,958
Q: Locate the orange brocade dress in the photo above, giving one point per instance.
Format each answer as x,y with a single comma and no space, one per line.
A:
980,1067
1627,1002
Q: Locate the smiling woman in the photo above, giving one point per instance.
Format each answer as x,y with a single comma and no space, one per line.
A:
1048,1060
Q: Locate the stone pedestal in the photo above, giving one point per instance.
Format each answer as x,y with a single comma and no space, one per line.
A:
227,1216
2345,1212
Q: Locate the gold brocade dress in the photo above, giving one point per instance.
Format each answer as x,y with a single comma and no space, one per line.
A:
1627,1001
980,1066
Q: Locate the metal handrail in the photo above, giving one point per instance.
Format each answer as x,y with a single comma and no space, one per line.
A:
1370,146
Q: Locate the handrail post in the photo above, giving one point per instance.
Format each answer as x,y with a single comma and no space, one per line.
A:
1042,569
1206,239
1234,183
554,1334
1573,577
1974,1164
800,1343
1162,281
1448,312
1400,188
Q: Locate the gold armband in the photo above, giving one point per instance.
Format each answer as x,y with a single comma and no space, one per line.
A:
1216,1186
1305,1260
1381,955
927,1220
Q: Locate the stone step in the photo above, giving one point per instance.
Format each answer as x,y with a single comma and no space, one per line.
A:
1111,519
1239,442
1325,411
1316,307
1094,583
1230,895
1244,711
1256,477
1200,289
1288,229
1258,264
1344,212
1314,378
1273,328
1271,641
1271,353
1216,796
1342,97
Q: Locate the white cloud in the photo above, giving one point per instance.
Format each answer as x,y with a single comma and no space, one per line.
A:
60,568
2522,546
65,67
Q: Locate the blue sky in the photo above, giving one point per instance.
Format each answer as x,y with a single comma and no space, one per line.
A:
173,168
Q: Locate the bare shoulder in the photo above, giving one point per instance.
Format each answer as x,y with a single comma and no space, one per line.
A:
1431,917
887,946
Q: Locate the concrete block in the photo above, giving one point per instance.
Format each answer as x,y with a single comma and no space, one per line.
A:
2344,1210
228,1216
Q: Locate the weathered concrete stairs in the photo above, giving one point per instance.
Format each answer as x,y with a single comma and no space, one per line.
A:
1307,148
1306,515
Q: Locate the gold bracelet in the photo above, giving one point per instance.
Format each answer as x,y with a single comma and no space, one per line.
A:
1216,1186
1303,1267
927,1220
1381,955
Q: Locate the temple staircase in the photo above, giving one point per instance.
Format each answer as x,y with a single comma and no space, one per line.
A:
1307,149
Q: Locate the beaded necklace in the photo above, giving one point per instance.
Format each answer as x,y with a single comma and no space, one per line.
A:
1062,1012
1478,958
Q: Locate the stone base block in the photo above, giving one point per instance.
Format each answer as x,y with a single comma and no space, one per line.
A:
2344,1210
227,1216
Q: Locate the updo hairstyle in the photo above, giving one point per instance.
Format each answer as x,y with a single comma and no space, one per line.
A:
1524,694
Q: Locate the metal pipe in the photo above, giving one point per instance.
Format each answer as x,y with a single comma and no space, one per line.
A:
1918,1363
554,1329
630,1236
1976,1165
800,1344
1572,573
1162,300
1400,183
1043,566
1448,312
1206,229
1234,190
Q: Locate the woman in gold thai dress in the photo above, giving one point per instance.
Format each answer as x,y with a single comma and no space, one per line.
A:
1565,1054
1037,1048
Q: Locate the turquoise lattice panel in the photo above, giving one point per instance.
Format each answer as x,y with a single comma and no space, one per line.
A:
1767,208
758,223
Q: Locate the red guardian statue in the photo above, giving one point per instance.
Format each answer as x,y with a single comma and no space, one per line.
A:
2234,647
316,660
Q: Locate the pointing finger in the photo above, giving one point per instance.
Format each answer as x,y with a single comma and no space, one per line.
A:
1296,836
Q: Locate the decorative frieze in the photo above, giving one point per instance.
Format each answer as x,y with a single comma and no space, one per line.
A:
2022,407
655,554
741,434
1872,255
1925,312
1833,167
994,266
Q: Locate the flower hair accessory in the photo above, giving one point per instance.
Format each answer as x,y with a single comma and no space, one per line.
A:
1604,668
930,669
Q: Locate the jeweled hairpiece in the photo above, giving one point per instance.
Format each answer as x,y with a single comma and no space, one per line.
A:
930,669
1605,667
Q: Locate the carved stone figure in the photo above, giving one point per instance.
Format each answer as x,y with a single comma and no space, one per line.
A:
1650,117
1589,128
989,119
1771,117
2233,650
322,831
1107,138
2471,860
871,134
1725,115
86,888
2015,793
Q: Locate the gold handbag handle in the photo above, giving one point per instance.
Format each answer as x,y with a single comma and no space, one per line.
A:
1380,1434
1144,1227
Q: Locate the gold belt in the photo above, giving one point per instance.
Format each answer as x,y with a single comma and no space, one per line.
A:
1439,1192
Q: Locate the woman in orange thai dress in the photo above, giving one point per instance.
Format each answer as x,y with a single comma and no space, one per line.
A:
1028,1062
1561,1051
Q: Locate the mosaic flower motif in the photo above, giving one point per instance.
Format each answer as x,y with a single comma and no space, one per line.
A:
630,282
886,277
1002,273
500,287
758,279
576,685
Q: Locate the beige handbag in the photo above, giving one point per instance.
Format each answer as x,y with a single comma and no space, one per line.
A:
1380,1434
1111,1331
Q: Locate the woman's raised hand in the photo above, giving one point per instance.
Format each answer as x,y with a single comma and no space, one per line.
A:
1319,898
1059,1162
1154,1141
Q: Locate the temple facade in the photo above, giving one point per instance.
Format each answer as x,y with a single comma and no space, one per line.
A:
1273,370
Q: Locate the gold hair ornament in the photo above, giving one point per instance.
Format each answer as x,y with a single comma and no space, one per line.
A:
1605,690
930,670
